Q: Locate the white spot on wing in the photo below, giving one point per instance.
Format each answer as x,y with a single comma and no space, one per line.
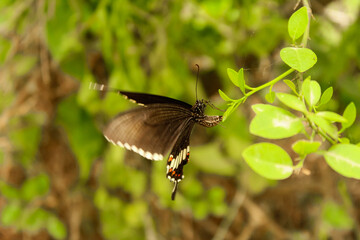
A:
109,140
148,155
134,148
127,146
120,144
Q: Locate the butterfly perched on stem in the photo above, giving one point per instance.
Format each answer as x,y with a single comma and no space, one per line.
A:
159,125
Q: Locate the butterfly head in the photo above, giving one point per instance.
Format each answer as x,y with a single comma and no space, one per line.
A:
199,107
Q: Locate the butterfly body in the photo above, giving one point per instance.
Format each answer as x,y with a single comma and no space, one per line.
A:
159,126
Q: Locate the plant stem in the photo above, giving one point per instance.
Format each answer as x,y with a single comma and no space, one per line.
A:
272,82
306,33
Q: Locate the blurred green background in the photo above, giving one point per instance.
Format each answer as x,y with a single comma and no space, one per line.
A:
60,179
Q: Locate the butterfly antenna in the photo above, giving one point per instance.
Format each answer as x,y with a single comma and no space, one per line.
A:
197,79
174,191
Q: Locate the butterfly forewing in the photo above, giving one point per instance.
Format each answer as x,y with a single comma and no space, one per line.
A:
145,99
149,131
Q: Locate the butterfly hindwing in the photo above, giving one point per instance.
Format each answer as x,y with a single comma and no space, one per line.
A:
179,157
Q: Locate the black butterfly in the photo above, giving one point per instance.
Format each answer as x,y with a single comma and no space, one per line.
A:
160,125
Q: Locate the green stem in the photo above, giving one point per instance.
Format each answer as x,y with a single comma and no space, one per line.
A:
306,33
272,82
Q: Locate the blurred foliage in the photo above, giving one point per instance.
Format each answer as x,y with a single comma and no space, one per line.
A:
60,179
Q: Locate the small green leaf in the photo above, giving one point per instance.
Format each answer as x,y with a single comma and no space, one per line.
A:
233,75
291,86
224,96
268,160
35,187
10,214
8,191
311,91
270,96
304,147
336,216
56,228
241,80
231,109
292,102
274,122
326,96
350,115
298,23
344,140
35,219
331,116
300,59
324,125
344,159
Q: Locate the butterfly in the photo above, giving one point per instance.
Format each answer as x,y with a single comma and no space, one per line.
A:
159,125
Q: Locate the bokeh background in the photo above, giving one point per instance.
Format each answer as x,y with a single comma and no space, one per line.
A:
60,179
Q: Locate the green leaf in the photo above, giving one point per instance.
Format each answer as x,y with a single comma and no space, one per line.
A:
331,116
274,123
224,96
311,91
268,160
132,212
8,191
298,23
10,214
56,228
233,75
35,187
230,110
270,96
324,125
292,102
300,59
304,147
35,219
336,216
241,80
344,159
291,86
350,115
326,96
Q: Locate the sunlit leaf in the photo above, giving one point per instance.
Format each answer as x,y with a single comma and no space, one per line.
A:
301,59
331,116
274,122
344,159
298,23
350,115
224,96
269,160
304,147
292,102
291,85
311,91
326,96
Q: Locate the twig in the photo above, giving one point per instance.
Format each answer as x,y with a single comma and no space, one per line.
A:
233,211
